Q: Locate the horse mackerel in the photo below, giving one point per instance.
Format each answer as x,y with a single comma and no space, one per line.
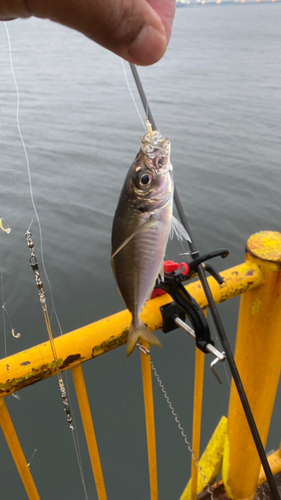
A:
141,228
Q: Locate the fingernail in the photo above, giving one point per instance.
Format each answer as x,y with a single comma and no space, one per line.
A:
149,46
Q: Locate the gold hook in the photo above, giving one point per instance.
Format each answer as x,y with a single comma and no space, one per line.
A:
149,129
8,230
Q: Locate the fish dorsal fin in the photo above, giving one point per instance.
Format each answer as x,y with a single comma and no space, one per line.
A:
178,229
141,228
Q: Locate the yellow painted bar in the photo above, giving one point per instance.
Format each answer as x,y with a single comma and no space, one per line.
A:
197,413
274,461
197,416
16,451
280,450
35,364
82,397
258,357
211,460
149,420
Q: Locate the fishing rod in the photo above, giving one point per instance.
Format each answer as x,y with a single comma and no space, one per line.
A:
216,317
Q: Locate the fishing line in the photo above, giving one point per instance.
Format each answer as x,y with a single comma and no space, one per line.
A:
75,436
29,463
17,335
6,142
28,168
132,95
14,334
4,318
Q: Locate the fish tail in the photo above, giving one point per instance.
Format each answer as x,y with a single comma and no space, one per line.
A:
140,331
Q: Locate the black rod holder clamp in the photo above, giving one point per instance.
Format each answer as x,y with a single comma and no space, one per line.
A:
184,303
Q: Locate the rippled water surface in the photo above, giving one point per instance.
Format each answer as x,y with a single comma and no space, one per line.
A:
216,94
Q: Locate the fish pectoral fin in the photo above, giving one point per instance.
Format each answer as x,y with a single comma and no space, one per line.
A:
178,229
141,331
141,228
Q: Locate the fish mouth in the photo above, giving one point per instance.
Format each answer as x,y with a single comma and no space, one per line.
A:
156,147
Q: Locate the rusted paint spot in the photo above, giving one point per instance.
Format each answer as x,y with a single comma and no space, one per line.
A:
71,359
110,344
36,374
249,273
24,363
255,306
7,367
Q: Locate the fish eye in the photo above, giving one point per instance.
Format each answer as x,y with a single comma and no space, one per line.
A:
145,179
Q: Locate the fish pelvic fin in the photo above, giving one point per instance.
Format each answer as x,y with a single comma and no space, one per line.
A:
140,331
178,229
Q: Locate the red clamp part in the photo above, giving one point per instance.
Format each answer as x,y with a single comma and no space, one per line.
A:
170,266
157,292
184,268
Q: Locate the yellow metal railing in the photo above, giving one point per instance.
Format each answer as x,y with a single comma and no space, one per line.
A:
259,276
35,364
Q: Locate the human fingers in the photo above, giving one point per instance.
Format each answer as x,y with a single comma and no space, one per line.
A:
137,30
11,9
166,11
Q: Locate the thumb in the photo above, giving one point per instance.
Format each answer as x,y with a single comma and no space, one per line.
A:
137,30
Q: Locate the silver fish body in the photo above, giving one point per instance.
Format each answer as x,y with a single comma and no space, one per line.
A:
141,228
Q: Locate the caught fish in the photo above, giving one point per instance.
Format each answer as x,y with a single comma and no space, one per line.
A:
141,227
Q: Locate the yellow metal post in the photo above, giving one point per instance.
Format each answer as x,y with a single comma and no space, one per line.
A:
85,411
258,355
16,451
197,414
149,418
210,462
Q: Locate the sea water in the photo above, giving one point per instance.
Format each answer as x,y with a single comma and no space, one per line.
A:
216,94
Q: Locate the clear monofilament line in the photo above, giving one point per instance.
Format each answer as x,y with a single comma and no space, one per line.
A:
4,319
15,335
65,401
5,313
35,267
29,177
132,95
61,382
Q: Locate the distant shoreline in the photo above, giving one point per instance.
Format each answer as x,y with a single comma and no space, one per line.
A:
188,3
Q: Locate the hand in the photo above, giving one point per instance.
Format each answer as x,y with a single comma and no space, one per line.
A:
137,30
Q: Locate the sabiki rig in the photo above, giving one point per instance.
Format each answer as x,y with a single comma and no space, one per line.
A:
142,223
